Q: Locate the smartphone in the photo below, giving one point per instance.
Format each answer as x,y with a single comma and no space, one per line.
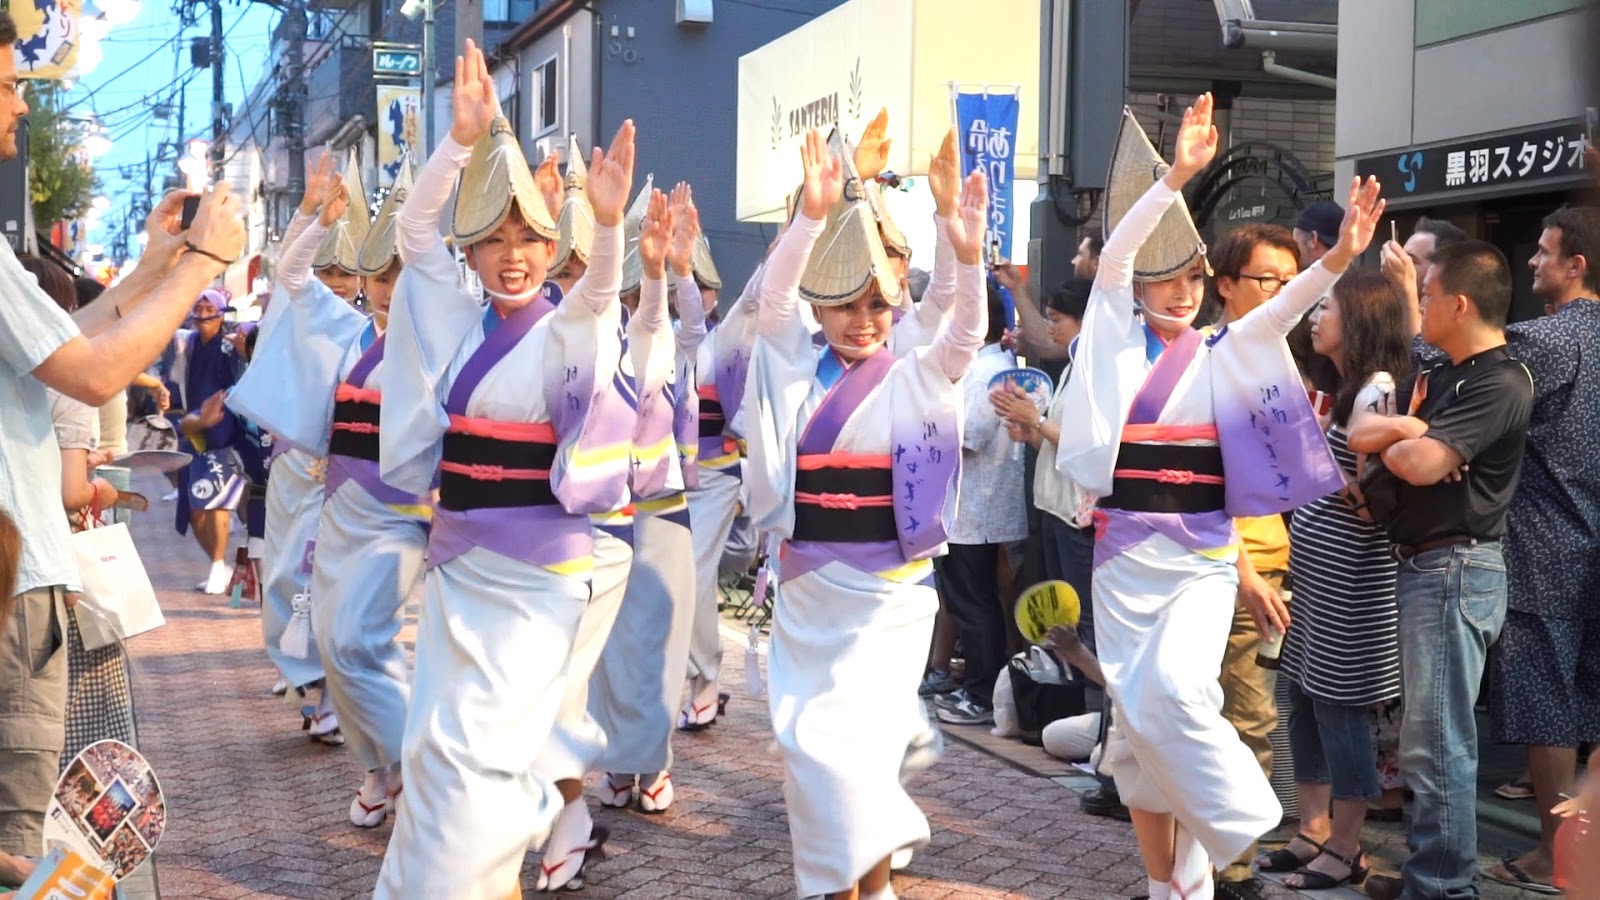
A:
1394,234
191,205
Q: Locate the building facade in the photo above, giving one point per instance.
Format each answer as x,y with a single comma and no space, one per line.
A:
586,68
1472,112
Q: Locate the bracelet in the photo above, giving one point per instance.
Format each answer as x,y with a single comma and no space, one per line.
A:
189,245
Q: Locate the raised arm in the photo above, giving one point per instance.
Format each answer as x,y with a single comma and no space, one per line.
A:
780,282
419,217
93,369
1034,326
294,266
944,181
957,346
680,258
610,182
1283,312
824,185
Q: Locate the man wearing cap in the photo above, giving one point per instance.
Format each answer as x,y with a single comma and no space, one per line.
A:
1316,230
200,366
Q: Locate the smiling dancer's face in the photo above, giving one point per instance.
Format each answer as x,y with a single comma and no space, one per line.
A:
512,260
856,330
1171,305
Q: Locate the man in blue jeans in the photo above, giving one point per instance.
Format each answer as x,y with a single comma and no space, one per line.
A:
1447,473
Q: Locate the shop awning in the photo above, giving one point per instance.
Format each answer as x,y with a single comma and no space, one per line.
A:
903,55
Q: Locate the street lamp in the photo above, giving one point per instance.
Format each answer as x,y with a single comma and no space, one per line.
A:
411,9
95,143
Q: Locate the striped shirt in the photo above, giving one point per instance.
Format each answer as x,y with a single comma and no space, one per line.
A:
1343,645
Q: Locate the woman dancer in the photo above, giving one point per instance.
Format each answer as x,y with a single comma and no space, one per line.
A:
511,406
1165,581
860,507
636,686
288,391
584,727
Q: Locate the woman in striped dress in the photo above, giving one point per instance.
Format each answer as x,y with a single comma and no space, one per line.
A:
1342,652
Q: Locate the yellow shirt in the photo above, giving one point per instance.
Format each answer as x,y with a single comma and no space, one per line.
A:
1266,539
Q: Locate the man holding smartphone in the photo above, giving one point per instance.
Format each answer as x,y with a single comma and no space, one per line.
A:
89,357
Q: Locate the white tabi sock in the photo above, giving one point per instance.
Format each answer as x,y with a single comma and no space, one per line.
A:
1159,890
886,894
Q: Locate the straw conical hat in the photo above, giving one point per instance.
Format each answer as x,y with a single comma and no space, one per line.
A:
1175,244
577,169
496,176
849,255
632,227
383,240
576,224
893,238
342,246
705,270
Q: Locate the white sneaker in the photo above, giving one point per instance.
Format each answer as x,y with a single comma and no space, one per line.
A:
170,498
217,581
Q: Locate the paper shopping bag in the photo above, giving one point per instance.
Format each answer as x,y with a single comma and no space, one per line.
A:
117,592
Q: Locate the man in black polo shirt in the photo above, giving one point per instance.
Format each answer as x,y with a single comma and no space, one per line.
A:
1444,479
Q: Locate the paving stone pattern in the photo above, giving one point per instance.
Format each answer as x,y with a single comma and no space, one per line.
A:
258,811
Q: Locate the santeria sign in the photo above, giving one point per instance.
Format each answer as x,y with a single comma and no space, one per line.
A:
840,68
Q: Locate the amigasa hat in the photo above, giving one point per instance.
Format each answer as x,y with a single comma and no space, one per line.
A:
632,228
849,255
575,226
496,177
342,245
382,245
1175,244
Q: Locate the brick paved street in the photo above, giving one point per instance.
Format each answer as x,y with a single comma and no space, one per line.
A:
259,811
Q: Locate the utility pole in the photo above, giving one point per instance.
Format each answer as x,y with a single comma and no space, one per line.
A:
220,114
469,24
429,78
292,99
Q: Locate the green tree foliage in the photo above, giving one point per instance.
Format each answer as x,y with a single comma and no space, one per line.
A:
60,177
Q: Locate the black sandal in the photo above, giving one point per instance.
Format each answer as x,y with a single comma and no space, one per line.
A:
1282,860
1312,880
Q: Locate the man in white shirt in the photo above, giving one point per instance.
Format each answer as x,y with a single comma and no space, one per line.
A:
89,358
990,512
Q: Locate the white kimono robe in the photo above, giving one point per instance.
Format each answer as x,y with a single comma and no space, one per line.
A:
288,390
852,621
1165,584
634,690
505,587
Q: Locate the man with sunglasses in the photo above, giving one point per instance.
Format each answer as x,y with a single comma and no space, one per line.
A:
90,357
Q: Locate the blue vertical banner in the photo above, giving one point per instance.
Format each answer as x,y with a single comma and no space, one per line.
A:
987,126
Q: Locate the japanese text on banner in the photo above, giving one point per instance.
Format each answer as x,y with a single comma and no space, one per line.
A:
987,126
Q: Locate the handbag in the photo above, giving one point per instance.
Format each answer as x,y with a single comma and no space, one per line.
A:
1043,690
116,589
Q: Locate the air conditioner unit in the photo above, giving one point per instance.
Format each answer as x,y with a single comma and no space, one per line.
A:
697,12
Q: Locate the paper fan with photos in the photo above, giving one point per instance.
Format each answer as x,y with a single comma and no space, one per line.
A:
108,809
